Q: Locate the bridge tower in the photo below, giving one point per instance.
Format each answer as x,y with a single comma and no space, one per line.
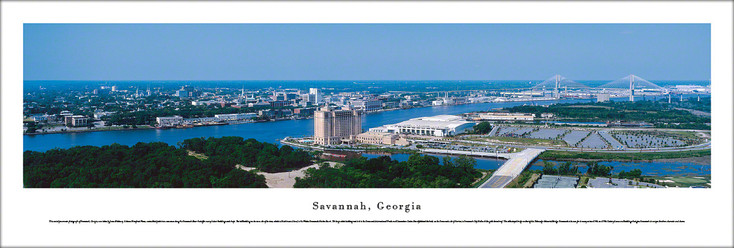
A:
558,84
632,88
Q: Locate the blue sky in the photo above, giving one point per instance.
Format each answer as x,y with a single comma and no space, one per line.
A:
365,51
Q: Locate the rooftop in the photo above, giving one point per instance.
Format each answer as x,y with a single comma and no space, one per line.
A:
439,121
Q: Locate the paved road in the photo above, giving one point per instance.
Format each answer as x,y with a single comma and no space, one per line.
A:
512,168
497,182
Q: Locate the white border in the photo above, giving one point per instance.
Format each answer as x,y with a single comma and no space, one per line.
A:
707,212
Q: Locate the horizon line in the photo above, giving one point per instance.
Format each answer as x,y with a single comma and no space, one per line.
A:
296,80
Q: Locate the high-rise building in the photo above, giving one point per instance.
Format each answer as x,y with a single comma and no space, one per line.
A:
333,126
308,99
316,94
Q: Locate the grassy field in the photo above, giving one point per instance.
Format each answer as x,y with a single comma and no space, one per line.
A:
566,155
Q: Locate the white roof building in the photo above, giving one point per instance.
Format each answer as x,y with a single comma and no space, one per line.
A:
440,126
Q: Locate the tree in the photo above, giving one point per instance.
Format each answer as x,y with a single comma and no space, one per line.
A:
144,165
632,174
383,172
482,128
595,169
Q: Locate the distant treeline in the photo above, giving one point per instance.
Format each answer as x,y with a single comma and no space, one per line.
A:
418,172
153,165
655,112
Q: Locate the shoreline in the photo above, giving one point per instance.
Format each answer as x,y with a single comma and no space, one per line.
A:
93,130
274,120
142,127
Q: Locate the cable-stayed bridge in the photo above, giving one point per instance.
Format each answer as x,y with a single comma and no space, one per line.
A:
632,82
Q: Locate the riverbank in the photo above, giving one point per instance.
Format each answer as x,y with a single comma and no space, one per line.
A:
117,128
143,127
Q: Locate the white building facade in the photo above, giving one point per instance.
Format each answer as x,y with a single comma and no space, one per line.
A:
169,121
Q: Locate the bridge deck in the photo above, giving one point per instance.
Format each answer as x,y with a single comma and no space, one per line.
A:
512,168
